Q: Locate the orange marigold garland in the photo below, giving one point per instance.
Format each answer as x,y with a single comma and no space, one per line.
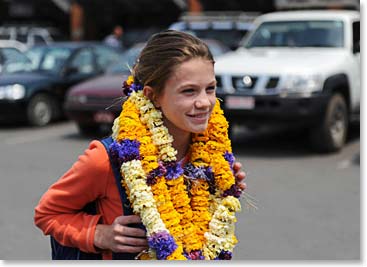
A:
189,212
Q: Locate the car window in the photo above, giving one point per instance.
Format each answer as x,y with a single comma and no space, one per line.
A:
6,33
48,59
5,36
105,56
126,61
230,37
13,55
83,61
298,34
22,38
54,60
35,56
228,30
38,39
216,48
13,60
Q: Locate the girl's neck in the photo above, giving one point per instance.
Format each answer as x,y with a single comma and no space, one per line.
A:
181,139
182,145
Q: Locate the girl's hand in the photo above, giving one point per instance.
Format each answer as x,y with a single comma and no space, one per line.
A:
240,175
119,237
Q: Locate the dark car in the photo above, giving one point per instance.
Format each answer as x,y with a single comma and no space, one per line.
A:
12,56
37,92
94,104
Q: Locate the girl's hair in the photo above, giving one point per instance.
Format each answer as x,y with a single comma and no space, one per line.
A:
163,52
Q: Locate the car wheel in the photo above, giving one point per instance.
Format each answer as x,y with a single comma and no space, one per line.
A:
40,110
330,135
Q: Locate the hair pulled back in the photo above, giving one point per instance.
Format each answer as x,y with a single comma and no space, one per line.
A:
163,52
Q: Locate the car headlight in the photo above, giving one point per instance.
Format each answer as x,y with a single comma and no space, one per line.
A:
301,85
12,92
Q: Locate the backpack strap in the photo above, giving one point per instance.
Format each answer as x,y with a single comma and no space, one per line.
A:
116,171
126,206
61,252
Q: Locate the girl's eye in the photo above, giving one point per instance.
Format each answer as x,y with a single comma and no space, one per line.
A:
188,91
211,89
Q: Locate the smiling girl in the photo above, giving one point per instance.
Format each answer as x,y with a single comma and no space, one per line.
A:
175,164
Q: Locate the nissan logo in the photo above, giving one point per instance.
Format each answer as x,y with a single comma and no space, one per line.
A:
247,81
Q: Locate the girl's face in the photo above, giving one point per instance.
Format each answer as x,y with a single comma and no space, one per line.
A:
188,97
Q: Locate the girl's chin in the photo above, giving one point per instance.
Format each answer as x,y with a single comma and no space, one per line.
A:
199,129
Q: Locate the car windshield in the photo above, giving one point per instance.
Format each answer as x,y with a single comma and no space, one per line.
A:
126,61
49,59
298,34
12,60
12,55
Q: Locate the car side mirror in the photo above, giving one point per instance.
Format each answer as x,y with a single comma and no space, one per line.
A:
69,71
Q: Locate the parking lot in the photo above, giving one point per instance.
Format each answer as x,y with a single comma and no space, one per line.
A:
308,205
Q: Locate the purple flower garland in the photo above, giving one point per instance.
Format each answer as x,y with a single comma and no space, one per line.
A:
154,174
163,243
125,151
173,170
234,190
224,255
128,89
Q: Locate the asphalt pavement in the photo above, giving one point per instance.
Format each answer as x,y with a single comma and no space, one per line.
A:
308,205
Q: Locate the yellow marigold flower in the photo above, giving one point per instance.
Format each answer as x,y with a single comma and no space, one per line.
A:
130,80
177,254
197,220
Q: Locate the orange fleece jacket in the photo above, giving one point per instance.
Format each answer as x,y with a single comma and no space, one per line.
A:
90,178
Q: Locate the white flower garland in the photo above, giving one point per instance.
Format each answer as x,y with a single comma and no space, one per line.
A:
222,225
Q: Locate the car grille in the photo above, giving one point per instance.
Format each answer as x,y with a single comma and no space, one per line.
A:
245,82
249,84
272,83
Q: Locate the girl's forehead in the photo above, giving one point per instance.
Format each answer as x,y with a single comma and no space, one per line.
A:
191,67
191,74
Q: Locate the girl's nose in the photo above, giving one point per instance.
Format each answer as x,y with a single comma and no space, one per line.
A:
202,101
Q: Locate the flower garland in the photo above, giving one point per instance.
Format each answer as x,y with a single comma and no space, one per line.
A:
188,212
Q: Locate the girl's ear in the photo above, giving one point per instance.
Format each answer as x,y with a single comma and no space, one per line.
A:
149,93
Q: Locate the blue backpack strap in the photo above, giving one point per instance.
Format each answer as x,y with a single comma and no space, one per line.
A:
116,171
126,206
61,252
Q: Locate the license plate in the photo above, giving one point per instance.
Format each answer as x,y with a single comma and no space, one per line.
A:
240,102
104,117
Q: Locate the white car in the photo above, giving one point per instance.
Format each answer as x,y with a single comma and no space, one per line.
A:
297,68
30,35
228,27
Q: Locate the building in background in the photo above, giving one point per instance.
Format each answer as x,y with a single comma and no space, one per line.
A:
94,19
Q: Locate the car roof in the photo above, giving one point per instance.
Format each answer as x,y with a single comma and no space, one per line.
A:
71,44
14,44
310,14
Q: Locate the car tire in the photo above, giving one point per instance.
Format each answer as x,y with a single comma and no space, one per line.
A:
331,133
40,110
